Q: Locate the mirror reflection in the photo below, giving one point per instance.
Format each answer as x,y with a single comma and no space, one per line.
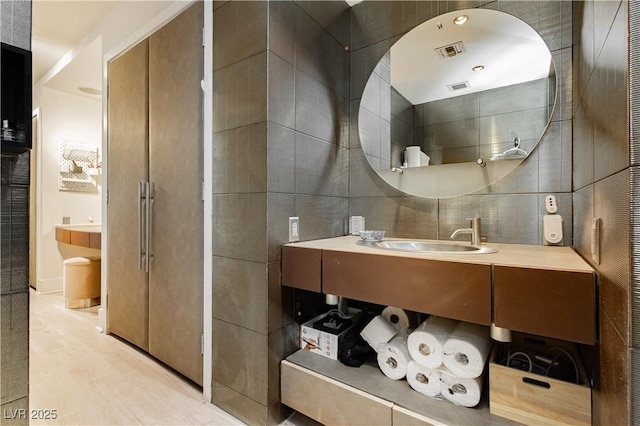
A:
452,108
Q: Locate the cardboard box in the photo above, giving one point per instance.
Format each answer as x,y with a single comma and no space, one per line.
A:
323,342
538,399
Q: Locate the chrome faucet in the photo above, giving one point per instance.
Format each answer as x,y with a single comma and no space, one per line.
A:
475,231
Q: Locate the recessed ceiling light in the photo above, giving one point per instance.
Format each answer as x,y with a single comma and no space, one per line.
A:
460,20
478,68
90,90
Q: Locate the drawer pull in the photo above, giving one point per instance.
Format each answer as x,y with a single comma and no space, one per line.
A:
536,382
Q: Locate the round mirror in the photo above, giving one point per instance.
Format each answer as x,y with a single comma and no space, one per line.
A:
457,103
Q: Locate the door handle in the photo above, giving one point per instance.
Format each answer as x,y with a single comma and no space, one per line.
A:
149,208
141,251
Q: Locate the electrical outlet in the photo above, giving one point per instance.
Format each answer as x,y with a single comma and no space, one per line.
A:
66,220
294,229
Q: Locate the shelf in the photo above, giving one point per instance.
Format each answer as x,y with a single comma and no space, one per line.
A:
82,155
368,378
78,180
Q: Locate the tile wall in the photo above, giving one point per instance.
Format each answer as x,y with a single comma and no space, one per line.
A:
15,29
512,209
280,150
602,179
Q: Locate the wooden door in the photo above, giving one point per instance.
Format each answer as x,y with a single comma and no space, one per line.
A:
176,173
127,284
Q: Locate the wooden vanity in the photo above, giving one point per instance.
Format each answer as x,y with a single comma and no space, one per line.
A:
541,290
80,235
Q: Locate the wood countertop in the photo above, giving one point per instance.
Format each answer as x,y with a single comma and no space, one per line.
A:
80,235
558,258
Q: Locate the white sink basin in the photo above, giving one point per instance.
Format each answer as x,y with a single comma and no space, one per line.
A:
421,246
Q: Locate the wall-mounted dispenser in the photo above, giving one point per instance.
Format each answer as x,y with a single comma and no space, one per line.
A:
551,223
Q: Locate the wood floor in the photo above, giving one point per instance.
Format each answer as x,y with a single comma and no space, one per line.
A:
90,378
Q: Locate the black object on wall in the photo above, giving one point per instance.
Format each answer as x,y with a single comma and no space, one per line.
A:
15,115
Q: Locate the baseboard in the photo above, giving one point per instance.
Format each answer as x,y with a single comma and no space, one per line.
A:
50,285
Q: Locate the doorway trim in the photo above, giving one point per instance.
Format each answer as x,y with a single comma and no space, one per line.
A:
142,33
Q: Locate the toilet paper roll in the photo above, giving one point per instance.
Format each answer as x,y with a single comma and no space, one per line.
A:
426,342
378,332
461,391
424,159
412,156
466,350
393,358
423,379
401,320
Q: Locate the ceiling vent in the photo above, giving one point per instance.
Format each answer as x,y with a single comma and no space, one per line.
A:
458,86
450,50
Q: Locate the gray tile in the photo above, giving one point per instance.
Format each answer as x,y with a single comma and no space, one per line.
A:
395,215
526,125
369,125
611,140
240,95
239,223
564,73
518,218
321,217
19,204
524,179
583,145
280,299
239,160
320,55
239,293
241,406
240,358
333,16
20,169
583,213
555,159
281,154
363,62
281,92
248,18
6,23
321,112
321,167
606,12
612,205
372,22
457,134
584,51
426,218
401,108
282,32
18,406
516,97
279,208
454,213
371,97
22,24
363,179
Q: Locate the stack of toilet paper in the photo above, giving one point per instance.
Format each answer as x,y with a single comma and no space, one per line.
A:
441,358
387,335
448,359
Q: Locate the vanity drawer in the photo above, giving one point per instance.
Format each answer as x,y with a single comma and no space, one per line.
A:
329,401
558,304
302,268
454,290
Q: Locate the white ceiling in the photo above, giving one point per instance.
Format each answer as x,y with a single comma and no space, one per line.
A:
511,51
57,27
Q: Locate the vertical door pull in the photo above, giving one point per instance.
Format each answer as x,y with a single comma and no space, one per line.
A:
141,251
149,200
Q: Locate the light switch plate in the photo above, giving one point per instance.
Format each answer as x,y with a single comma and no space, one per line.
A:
294,229
356,224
